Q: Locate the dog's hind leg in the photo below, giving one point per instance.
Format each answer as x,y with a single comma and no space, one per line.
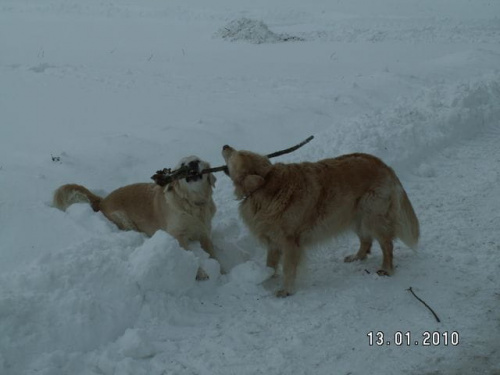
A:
291,257
387,249
121,220
364,249
383,231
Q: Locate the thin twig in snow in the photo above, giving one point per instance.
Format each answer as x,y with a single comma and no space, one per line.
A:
426,305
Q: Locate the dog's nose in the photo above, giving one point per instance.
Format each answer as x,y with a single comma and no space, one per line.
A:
193,164
225,147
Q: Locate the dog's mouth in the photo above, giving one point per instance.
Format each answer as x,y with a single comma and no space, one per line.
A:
194,171
194,178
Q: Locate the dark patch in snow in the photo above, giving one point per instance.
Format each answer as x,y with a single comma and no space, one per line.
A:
40,68
253,31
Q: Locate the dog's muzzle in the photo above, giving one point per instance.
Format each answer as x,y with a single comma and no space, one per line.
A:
226,153
195,175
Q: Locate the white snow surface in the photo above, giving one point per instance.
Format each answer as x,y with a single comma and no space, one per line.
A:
104,93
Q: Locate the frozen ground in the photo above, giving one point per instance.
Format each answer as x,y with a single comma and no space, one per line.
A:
104,93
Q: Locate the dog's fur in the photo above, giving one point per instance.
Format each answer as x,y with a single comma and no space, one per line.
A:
291,206
183,208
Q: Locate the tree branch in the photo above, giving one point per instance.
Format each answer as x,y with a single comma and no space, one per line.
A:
167,175
291,149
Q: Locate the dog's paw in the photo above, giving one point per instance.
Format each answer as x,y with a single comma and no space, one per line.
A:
351,258
383,273
354,257
201,275
283,293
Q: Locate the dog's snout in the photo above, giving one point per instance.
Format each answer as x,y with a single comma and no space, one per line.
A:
193,164
225,147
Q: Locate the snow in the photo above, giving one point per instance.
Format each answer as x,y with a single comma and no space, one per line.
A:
105,93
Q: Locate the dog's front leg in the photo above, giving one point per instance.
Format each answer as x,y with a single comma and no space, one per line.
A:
273,257
207,245
184,243
291,256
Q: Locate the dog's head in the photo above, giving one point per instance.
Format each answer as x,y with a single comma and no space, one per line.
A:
246,169
198,183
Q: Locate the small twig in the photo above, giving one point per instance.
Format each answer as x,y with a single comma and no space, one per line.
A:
426,305
166,175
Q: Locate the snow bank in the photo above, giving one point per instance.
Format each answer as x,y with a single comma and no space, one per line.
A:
90,294
72,300
406,134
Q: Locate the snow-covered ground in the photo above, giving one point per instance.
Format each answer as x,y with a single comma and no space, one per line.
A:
104,93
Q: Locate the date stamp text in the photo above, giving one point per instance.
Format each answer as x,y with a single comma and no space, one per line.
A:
400,338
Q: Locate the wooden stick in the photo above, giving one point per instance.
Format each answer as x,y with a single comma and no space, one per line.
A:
426,305
291,149
272,155
166,175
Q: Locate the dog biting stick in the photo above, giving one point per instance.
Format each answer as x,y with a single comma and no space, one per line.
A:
167,175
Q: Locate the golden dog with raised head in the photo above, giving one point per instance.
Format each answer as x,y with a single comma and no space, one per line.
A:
291,206
184,208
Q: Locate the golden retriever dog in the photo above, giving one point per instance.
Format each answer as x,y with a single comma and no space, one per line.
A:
184,208
291,206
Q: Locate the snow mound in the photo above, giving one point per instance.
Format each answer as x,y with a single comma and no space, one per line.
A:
250,273
134,344
160,265
83,216
252,31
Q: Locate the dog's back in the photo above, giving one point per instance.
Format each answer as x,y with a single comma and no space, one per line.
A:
317,200
133,207
139,207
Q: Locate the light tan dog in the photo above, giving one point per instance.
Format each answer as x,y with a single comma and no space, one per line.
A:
291,206
183,208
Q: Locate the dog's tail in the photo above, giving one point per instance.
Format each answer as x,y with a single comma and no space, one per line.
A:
66,195
407,227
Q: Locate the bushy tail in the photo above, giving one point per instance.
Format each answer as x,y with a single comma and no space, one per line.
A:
66,195
407,228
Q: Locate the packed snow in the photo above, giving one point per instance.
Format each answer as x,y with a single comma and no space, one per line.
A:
104,93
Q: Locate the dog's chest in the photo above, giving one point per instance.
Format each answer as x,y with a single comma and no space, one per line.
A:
189,218
254,217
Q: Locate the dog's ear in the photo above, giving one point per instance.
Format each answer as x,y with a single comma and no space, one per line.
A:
251,183
211,179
